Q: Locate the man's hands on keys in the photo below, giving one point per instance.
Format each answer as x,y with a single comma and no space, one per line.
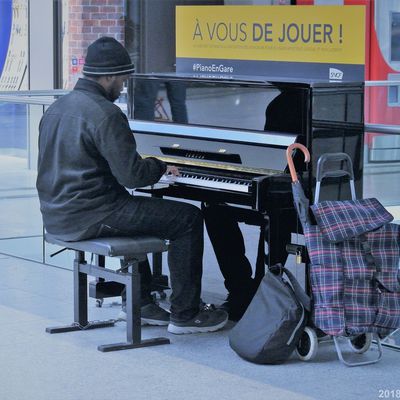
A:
172,170
171,173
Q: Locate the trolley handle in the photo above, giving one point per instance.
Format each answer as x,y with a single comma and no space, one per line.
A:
323,172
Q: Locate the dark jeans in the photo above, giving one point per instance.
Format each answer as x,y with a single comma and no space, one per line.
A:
227,241
146,94
179,222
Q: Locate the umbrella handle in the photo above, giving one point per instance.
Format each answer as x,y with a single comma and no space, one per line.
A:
289,157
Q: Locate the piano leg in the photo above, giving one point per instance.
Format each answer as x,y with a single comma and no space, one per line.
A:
281,224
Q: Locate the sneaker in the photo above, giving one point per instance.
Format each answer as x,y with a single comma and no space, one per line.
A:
235,309
236,304
207,320
151,314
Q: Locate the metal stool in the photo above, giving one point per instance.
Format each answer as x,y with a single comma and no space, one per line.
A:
131,251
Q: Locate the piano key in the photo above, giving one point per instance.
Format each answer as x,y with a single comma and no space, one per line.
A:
211,182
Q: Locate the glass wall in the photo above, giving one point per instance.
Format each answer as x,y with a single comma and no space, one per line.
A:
21,230
20,221
147,29
382,143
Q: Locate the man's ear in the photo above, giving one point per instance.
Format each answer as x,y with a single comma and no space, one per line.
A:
110,78
106,79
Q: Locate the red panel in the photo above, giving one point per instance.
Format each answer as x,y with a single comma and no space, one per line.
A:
378,110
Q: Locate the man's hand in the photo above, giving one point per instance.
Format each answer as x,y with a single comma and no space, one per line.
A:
172,170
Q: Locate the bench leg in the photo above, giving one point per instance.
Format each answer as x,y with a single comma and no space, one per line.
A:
133,317
133,299
75,327
80,303
80,291
125,346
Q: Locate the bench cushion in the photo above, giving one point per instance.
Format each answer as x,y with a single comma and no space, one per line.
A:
114,246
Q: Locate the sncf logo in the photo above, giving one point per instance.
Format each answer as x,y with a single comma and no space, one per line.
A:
335,74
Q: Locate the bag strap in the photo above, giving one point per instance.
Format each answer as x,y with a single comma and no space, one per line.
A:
369,258
301,295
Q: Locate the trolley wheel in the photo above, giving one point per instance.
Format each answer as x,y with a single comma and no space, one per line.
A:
308,345
361,343
99,302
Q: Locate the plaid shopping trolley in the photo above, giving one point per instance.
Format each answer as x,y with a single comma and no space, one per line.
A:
354,254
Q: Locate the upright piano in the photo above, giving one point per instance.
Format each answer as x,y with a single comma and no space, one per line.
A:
231,149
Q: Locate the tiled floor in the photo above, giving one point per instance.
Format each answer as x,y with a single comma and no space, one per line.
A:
39,366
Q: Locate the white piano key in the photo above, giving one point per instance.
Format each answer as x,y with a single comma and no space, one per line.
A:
200,181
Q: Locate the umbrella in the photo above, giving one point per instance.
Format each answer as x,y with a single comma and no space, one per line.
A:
300,200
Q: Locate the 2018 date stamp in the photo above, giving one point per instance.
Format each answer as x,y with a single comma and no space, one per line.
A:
389,393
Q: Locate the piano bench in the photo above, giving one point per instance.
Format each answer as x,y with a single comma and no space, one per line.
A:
131,251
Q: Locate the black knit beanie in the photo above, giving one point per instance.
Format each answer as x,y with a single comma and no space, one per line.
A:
106,56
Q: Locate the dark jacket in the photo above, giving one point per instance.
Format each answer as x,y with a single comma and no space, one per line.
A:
87,156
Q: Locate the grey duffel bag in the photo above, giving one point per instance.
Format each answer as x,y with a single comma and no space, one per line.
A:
274,321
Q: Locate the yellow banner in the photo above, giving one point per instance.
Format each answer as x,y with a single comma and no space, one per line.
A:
313,34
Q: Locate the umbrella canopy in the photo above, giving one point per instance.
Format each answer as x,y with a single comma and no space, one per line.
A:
301,203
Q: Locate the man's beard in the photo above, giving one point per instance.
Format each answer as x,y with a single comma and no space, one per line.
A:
113,93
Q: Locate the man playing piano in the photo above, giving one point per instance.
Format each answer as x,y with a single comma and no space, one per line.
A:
87,157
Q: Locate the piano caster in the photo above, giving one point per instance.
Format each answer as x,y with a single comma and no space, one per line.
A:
159,285
159,295
99,290
162,295
99,302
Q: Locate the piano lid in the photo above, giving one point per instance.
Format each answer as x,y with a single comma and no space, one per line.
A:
246,79
212,147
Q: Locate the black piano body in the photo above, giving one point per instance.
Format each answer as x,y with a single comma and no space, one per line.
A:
232,149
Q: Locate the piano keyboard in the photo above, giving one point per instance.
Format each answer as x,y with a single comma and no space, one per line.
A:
208,181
